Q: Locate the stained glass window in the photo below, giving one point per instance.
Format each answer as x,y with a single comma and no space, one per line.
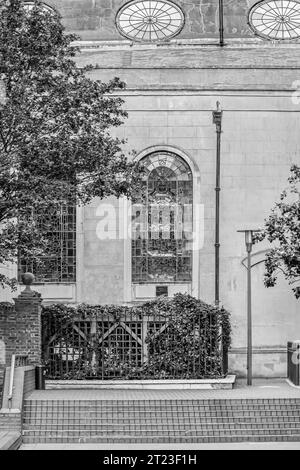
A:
58,264
28,6
276,19
162,222
150,20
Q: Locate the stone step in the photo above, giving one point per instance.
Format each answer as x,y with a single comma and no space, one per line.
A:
94,431
161,439
47,434
160,420
148,408
168,426
101,421
172,402
177,413
159,415
126,414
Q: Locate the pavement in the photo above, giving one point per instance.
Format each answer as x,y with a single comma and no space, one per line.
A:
262,388
9,440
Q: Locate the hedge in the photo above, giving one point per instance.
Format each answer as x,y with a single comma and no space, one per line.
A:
191,345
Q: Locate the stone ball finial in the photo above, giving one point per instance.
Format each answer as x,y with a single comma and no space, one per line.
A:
28,279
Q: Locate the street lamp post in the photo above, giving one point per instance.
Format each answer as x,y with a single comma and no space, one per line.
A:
217,120
249,244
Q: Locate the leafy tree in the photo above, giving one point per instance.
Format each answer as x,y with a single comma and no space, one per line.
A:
282,229
55,129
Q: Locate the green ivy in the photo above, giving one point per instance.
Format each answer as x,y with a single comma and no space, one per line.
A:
190,346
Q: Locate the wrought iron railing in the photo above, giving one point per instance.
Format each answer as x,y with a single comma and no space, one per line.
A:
133,346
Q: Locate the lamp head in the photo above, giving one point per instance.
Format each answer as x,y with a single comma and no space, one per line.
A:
217,116
249,240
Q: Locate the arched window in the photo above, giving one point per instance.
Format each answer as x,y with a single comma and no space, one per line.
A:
162,222
28,6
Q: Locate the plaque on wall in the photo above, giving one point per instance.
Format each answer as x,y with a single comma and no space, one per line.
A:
161,290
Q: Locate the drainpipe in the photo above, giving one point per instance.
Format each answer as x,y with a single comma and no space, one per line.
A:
221,23
217,120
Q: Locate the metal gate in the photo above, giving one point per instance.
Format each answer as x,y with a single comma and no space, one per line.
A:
132,346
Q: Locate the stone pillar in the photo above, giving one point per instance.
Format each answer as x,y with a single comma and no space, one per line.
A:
21,326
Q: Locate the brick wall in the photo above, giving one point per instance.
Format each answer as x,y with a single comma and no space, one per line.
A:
20,328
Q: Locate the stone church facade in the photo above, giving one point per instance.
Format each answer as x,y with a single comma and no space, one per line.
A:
170,57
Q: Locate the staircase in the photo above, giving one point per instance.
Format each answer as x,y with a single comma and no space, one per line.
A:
161,420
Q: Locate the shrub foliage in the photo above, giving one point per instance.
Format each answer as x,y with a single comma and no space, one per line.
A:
186,338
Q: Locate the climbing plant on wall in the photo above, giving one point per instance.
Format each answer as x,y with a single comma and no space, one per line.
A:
168,338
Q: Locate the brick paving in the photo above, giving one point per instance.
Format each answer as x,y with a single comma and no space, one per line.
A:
261,389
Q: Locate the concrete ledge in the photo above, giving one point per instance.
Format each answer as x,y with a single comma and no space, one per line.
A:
10,440
202,384
18,389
